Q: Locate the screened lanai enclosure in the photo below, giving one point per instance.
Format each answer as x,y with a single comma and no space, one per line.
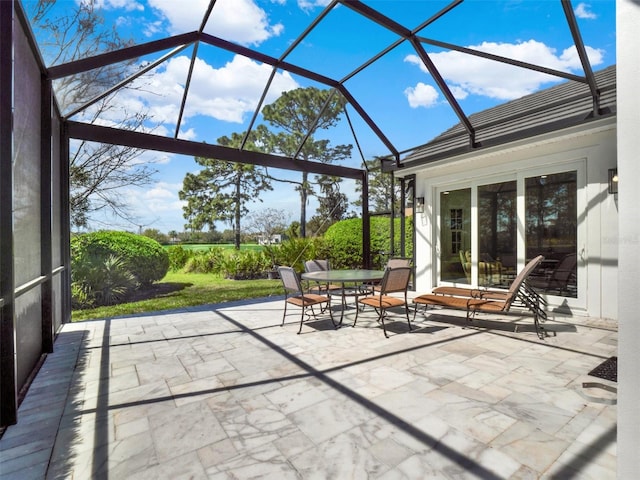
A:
39,127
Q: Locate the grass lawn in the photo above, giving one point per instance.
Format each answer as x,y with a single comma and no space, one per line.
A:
178,290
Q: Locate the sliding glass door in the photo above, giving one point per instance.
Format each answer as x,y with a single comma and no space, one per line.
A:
497,233
489,230
551,230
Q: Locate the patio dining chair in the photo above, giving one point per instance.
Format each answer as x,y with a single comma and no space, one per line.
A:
393,262
395,280
296,296
320,287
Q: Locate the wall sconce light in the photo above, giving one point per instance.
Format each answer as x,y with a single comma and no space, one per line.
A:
613,180
420,205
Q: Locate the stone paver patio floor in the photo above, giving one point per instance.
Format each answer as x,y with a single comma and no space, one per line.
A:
224,392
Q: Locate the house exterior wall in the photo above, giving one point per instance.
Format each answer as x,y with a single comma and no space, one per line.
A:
627,21
592,148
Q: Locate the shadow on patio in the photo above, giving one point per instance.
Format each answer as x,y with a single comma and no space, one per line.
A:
223,391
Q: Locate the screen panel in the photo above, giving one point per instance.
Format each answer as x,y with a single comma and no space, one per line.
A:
27,235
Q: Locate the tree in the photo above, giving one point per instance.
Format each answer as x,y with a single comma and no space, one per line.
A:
156,234
222,189
173,236
267,222
333,205
293,230
297,113
382,189
97,172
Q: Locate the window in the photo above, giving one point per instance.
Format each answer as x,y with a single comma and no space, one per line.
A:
456,229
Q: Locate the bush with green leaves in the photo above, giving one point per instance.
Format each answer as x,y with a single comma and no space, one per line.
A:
294,251
245,264
98,281
205,261
178,257
344,240
143,257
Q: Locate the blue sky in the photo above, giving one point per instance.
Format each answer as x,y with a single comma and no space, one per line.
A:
396,91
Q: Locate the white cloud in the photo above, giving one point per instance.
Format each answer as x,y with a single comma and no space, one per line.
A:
152,28
459,93
179,18
468,74
421,95
126,5
240,21
310,4
153,157
189,134
583,11
156,207
163,196
226,93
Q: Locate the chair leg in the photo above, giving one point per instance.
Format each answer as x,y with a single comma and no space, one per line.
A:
381,316
328,306
301,318
357,310
406,311
471,315
285,313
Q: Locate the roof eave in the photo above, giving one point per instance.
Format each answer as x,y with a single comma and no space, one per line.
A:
530,134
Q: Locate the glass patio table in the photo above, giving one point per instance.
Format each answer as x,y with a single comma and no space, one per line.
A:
351,282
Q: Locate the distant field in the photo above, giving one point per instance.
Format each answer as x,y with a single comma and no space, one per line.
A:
207,246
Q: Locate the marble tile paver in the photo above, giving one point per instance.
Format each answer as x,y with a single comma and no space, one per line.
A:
224,392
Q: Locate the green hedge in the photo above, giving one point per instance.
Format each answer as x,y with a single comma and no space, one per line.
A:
145,258
344,241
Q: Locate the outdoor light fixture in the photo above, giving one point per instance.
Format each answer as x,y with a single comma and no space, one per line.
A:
613,180
420,205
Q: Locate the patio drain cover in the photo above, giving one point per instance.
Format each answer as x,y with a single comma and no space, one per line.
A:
607,370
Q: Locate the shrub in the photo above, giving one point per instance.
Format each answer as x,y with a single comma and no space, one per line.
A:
178,257
205,261
145,258
344,241
245,265
97,281
294,251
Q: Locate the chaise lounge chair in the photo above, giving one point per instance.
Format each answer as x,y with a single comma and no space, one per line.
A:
489,301
561,280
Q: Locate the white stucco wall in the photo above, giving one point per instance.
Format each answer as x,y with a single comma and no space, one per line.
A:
594,147
628,71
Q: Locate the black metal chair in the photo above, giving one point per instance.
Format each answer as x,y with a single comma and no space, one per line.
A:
320,287
295,295
395,280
